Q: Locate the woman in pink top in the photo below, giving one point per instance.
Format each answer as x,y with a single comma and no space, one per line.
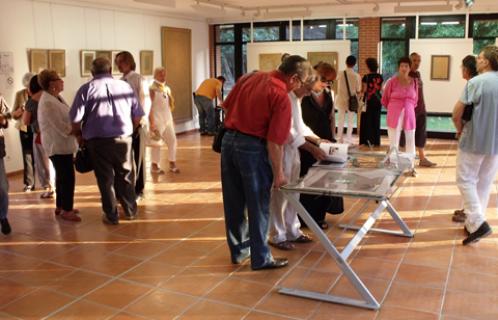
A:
400,98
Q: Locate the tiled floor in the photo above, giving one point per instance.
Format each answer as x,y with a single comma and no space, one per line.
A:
173,262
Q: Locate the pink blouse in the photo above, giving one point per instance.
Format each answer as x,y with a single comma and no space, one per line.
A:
397,98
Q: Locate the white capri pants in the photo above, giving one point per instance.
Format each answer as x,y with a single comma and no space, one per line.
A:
168,135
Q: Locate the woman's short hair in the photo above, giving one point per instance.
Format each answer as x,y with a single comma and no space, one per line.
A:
127,58
26,79
45,77
490,53
158,70
372,64
404,60
351,61
34,86
324,69
470,63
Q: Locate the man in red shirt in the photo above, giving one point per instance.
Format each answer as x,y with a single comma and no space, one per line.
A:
258,121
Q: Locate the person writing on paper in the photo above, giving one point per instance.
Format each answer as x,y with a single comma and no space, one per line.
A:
318,115
284,223
477,157
258,122
161,121
400,98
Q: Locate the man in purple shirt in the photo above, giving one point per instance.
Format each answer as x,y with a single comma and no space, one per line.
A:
104,113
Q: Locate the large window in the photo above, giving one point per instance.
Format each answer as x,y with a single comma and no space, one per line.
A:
483,28
441,27
395,37
270,31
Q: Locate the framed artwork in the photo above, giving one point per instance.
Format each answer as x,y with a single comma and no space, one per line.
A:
440,67
57,61
104,54
38,60
87,57
269,61
330,57
146,62
115,69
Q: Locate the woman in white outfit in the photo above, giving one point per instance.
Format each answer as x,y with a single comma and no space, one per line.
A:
342,100
161,122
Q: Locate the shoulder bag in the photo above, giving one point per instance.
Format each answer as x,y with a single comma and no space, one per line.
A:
353,99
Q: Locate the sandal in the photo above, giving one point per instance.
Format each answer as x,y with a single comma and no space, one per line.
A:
58,211
459,216
174,170
47,195
284,245
304,238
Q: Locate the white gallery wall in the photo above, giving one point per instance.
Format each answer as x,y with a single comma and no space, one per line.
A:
342,47
29,24
441,95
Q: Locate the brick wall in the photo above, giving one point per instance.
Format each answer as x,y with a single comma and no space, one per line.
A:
369,38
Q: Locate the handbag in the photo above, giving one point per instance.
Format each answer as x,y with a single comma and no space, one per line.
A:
468,109
82,161
218,139
353,103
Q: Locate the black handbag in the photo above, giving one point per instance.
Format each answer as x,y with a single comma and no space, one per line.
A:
468,109
83,162
353,103
218,139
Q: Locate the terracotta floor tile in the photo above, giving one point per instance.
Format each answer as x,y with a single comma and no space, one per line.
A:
414,297
470,305
328,311
112,264
255,315
152,273
193,281
144,249
476,263
126,316
416,274
461,280
374,268
377,287
239,292
79,282
84,310
37,304
393,313
287,305
117,294
161,305
10,290
186,252
425,254
213,311
45,274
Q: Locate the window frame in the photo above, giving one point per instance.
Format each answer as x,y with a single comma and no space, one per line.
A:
442,18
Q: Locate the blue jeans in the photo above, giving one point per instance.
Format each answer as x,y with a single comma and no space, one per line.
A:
4,191
206,113
246,180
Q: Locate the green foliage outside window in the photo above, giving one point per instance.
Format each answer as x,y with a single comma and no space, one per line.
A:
440,30
485,29
392,51
479,44
393,29
271,33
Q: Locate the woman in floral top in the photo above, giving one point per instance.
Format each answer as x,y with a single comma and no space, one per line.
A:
370,118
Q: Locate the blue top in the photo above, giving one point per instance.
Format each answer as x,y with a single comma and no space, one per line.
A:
106,106
480,135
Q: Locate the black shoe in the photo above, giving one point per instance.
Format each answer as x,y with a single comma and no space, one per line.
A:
203,133
106,220
211,133
6,229
483,231
276,263
131,217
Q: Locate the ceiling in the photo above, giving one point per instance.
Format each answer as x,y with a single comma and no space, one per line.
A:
244,10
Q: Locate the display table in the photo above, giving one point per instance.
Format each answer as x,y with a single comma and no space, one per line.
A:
374,185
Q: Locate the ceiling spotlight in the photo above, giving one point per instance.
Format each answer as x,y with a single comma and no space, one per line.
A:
469,3
376,8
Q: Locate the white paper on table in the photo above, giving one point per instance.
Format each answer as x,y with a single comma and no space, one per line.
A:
336,152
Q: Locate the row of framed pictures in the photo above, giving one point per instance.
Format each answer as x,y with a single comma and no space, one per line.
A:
40,59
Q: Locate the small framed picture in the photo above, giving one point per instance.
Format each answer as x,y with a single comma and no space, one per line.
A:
38,60
115,70
104,54
57,61
440,67
146,62
87,57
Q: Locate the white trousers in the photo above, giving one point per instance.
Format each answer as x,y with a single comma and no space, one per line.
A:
284,223
475,174
168,135
394,135
43,166
340,126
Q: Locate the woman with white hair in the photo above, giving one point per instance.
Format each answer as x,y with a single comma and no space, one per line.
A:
162,127
25,133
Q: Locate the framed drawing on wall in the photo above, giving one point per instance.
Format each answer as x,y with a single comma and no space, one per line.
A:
115,69
57,61
104,54
87,57
269,61
146,62
330,57
440,67
38,60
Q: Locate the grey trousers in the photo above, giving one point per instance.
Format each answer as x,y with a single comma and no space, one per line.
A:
4,191
113,167
43,166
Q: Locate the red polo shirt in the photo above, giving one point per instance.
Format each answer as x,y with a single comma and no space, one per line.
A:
259,106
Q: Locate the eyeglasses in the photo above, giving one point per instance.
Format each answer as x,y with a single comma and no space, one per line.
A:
328,82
